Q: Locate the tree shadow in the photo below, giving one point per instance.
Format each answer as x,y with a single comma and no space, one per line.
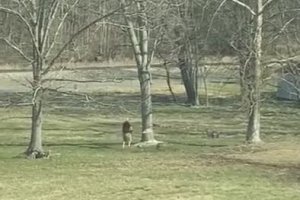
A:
13,144
90,145
287,169
80,103
15,129
252,162
197,144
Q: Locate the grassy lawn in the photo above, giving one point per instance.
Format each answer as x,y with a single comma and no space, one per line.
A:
88,162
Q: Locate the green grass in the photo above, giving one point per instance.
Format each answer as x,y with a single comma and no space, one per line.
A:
87,161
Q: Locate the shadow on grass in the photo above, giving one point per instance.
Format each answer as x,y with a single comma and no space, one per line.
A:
255,163
13,144
78,104
92,145
105,99
197,144
15,129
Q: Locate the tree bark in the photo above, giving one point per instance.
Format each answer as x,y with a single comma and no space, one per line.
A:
189,75
139,40
146,106
188,68
253,129
242,74
250,52
35,146
169,81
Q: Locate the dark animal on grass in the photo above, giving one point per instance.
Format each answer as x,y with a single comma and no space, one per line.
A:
127,133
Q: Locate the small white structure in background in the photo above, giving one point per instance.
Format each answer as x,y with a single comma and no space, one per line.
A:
289,87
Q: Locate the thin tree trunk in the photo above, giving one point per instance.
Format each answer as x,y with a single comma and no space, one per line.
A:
204,79
169,82
242,75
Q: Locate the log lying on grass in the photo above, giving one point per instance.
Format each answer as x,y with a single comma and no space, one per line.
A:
151,143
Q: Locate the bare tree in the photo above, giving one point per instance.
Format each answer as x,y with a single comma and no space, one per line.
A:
139,37
249,48
185,37
189,26
43,21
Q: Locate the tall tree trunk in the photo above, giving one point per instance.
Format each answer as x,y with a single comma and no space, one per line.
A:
253,130
35,149
146,106
242,74
189,75
169,81
35,146
139,40
188,51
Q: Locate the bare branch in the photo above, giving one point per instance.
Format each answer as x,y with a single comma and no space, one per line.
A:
52,15
281,61
26,23
26,9
266,4
68,93
59,28
282,29
153,51
17,49
212,20
35,93
291,84
20,82
132,33
51,63
245,6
